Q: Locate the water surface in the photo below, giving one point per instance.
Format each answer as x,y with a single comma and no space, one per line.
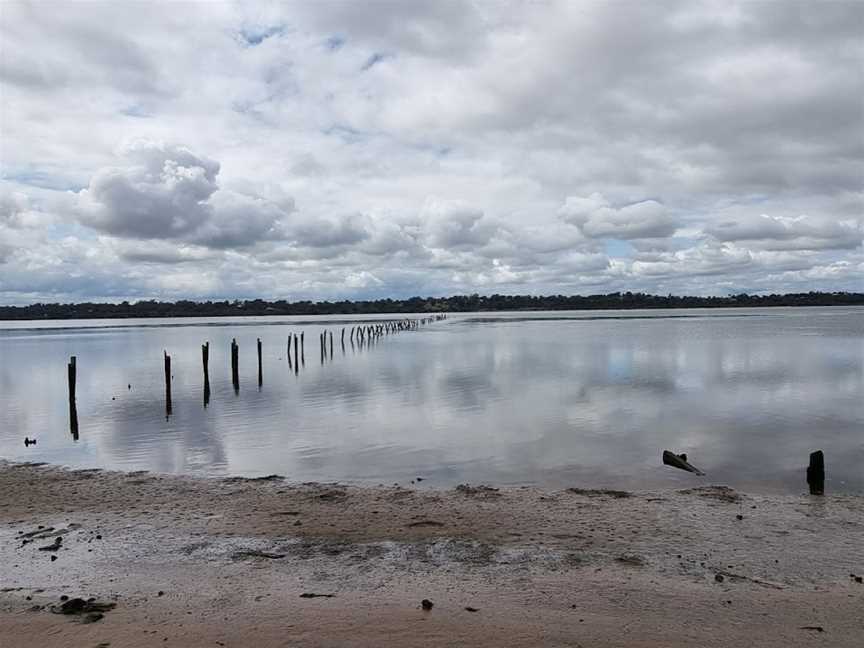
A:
554,399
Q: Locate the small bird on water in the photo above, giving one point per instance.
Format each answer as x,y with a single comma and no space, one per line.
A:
29,442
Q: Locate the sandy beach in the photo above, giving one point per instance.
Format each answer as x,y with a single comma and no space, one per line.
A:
178,561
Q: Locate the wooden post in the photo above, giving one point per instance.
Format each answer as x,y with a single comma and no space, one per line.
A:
331,345
260,373
302,348
296,357
167,385
816,473
235,371
71,372
205,361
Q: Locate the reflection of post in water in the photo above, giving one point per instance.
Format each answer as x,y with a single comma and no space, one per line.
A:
260,373
235,374
167,385
205,362
71,371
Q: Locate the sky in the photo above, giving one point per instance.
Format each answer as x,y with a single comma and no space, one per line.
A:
329,150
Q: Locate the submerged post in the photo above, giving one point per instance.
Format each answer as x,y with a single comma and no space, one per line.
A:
71,372
816,473
167,385
260,373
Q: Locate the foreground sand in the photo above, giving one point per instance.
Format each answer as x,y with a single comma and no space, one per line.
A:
192,562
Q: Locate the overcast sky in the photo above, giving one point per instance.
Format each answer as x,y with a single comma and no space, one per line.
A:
322,150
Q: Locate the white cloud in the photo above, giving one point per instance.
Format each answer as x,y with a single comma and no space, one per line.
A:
434,147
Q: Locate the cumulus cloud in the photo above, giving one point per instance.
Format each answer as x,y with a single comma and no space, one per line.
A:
597,218
165,191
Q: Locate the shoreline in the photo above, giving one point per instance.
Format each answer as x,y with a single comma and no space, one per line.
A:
234,558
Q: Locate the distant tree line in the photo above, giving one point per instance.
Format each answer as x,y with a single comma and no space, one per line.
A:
454,304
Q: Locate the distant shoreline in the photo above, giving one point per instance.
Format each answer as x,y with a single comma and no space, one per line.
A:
419,305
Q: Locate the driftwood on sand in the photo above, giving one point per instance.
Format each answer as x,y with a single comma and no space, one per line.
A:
679,461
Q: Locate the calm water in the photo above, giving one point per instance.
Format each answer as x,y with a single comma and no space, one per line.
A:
556,399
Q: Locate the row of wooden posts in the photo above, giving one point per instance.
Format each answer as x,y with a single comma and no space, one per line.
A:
364,335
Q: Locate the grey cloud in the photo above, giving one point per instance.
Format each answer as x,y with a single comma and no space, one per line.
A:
239,220
164,195
324,233
597,218
91,54
455,224
169,192
801,233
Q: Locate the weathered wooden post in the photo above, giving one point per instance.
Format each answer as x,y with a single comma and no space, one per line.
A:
816,473
72,374
235,358
205,361
296,357
302,348
343,338
331,345
167,384
260,372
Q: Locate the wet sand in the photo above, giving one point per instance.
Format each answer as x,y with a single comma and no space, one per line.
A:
209,562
